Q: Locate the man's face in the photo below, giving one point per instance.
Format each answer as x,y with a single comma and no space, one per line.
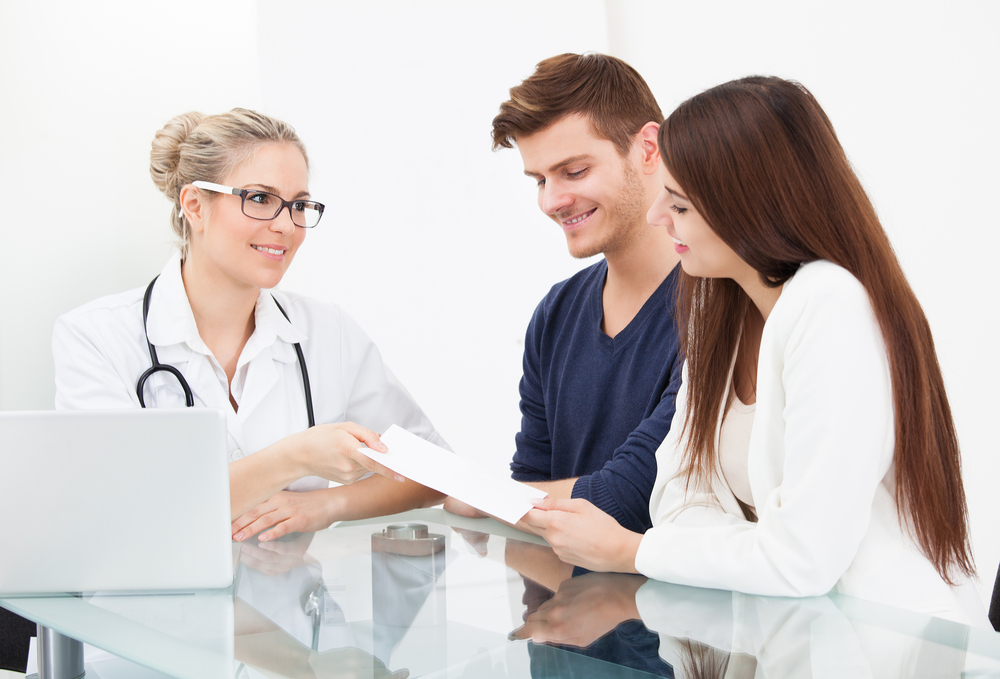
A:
594,194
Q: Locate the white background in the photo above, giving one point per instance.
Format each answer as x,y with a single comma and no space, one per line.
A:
432,241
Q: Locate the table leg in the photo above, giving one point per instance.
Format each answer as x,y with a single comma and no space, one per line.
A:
59,656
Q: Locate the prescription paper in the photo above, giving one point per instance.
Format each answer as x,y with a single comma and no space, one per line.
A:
434,467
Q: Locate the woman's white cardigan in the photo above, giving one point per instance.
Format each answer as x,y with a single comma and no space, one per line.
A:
820,466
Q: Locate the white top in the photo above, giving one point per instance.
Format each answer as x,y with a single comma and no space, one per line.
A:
734,446
100,351
820,466
814,637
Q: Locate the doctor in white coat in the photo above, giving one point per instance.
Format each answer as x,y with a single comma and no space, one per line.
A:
813,447
238,183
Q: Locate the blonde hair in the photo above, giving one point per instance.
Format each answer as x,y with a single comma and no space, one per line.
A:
193,147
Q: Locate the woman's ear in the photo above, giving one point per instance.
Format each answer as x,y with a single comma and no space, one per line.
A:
647,137
194,207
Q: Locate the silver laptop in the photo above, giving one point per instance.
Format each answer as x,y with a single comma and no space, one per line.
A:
114,500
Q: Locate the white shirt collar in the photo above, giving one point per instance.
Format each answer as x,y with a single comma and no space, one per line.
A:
171,320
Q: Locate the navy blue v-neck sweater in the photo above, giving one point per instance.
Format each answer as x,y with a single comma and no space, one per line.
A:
597,407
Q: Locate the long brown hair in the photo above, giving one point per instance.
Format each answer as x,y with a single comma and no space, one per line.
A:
760,161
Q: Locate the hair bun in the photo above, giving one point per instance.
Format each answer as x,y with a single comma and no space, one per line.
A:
164,157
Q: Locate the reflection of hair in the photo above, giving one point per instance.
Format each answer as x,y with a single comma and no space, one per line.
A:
614,97
701,661
194,147
760,161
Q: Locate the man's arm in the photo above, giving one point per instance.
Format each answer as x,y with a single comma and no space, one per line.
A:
557,490
623,485
532,460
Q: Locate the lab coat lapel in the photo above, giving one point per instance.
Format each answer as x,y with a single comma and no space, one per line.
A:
170,319
171,328
208,381
268,348
262,375
163,389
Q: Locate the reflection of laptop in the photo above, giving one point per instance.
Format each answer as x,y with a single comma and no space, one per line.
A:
114,500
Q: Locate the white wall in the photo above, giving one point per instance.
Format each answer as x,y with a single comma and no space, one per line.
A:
84,87
432,241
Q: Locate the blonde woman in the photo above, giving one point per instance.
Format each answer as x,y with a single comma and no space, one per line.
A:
210,332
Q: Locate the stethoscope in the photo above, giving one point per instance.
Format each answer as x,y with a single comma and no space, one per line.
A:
188,396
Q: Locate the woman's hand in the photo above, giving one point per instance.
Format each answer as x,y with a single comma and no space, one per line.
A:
474,539
331,452
583,535
287,512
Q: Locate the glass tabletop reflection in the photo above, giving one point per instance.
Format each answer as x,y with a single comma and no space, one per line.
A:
430,594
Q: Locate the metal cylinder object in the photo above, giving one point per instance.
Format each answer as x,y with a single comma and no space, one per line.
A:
407,539
59,656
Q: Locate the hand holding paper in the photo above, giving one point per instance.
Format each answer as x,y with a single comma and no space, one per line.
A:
434,467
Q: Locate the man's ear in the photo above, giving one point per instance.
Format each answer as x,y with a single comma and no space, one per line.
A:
194,207
650,147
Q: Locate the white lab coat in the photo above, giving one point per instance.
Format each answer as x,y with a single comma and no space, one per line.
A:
100,351
820,467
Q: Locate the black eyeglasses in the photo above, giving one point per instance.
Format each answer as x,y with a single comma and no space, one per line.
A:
263,205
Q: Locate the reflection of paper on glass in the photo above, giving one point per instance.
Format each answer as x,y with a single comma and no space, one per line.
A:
434,467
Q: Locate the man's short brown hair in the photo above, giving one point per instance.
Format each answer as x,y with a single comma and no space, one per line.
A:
608,91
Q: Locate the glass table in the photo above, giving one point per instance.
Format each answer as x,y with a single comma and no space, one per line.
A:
430,594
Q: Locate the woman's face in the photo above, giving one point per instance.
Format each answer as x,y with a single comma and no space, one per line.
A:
228,245
703,253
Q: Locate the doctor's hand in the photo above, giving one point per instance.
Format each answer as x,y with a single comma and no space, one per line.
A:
583,535
331,452
278,556
286,512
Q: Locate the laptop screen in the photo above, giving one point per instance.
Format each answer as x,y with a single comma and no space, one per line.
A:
114,500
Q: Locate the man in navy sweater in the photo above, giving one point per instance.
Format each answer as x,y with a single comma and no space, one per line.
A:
601,365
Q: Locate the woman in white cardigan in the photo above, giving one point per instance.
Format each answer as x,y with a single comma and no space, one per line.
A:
813,447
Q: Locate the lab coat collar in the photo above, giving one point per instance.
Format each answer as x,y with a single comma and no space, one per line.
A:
171,321
271,325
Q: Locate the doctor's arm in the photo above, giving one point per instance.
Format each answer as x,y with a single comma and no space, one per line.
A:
290,512
329,451
98,355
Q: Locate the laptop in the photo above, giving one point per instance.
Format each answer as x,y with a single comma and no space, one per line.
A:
114,500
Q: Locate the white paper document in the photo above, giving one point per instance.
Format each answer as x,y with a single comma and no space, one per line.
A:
434,467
